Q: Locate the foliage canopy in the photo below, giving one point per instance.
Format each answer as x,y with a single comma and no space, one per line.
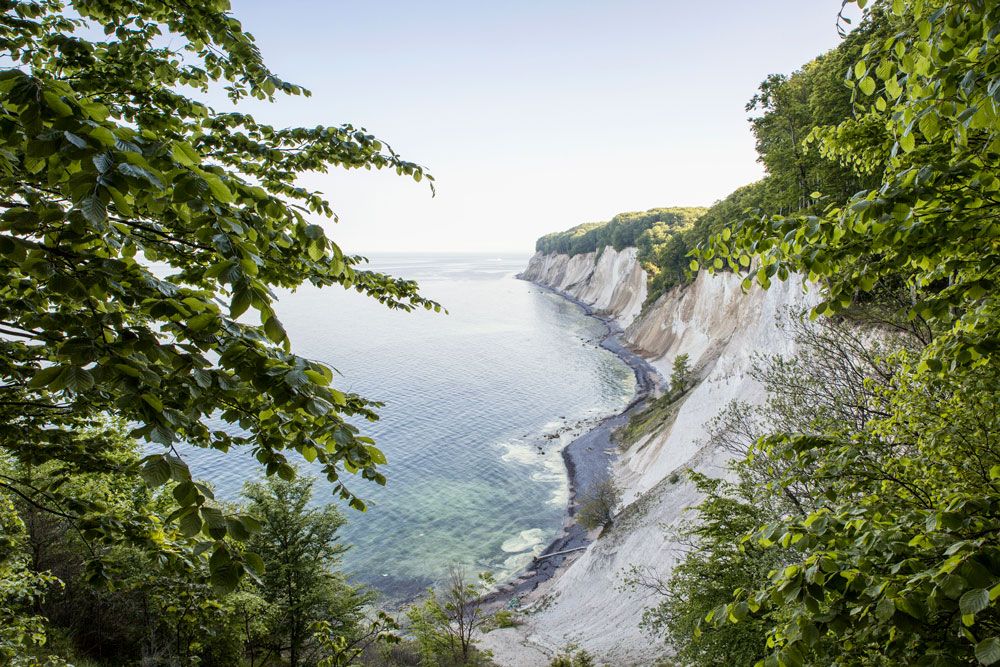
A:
139,227
890,553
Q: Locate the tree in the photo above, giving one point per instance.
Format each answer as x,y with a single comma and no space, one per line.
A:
22,630
931,222
897,562
598,505
161,605
374,639
680,375
445,624
833,383
301,583
780,129
108,164
712,565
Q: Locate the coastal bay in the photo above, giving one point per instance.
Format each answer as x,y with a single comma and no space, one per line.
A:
479,403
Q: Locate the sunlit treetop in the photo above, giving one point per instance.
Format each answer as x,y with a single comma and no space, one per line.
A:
926,121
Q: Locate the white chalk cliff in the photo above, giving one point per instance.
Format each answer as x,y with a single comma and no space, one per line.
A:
610,282
720,327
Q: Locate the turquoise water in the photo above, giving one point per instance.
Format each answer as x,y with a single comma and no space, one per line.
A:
469,400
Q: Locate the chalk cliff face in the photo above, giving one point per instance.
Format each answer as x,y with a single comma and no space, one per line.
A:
721,328
610,281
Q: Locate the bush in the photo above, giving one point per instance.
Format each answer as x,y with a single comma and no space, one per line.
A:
597,507
446,622
573,656
505,618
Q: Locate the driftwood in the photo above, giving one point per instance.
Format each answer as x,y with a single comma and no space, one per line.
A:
559,553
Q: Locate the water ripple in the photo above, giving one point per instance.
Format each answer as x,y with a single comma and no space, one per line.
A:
474,405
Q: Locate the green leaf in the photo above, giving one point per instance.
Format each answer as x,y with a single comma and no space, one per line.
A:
224,573
139,173
274,330
236,530
255,562
929,126
103,162
47,375
988,651
93,210
186,493
953,585
121,202
183,153
932,364
318,378
199,322
76,379
240,303
338,396
213,517
56,103
885,610
178,469
907,142
103,135
156,471
190,523
75,139
974,601
153,402
357,504
218,189
376,455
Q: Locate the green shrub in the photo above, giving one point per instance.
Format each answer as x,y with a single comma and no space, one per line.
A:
597,506
573,656
505,618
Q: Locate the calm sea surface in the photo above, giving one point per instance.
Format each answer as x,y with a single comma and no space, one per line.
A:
469,400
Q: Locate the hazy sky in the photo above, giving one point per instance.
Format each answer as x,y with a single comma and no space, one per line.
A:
532,116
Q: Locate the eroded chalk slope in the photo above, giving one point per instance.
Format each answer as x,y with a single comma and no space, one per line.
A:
721,328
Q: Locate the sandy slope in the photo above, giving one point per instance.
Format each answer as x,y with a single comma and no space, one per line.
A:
721,328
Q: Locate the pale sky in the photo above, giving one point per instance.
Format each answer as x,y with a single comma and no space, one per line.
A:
532,116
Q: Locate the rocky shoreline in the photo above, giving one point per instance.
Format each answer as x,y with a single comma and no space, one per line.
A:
588,460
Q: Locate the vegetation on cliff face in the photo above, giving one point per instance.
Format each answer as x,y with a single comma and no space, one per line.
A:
869,529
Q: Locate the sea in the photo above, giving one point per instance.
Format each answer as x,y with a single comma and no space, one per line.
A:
477,404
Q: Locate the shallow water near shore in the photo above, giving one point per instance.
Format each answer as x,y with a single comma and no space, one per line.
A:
477,405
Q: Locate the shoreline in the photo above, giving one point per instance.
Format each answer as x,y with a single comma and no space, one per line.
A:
587,459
